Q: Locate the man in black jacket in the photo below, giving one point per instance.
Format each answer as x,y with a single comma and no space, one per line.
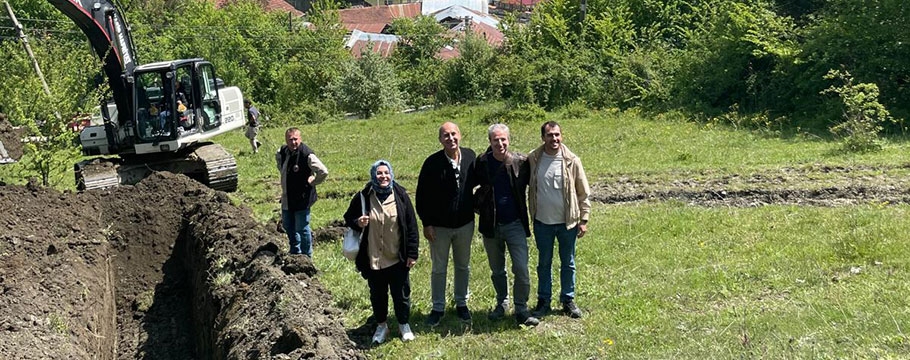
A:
502,208
300,172
445,207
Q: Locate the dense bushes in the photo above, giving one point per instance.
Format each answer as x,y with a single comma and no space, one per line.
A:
757,58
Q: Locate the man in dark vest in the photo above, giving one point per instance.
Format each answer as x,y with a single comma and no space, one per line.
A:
300,172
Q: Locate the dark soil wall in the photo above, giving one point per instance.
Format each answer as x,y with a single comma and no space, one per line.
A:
187,274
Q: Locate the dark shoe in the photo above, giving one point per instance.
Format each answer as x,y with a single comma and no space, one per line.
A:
525,318
571,309
463,313
434,317
499,311
542,309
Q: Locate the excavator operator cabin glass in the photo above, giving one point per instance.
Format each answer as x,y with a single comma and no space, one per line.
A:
210,106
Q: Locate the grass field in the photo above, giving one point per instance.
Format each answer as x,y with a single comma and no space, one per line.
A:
655,279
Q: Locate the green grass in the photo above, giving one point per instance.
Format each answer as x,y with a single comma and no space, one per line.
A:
655,280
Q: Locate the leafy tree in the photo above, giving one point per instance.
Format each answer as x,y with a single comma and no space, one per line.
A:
865,37
52,151
421,39
368,85
415,58
863,115
472,75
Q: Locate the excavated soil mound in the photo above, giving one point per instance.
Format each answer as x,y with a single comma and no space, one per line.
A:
11,138
165,269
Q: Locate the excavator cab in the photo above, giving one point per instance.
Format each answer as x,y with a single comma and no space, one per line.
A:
161,116
175,100
179,103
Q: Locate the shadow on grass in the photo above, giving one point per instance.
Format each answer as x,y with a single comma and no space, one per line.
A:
450,325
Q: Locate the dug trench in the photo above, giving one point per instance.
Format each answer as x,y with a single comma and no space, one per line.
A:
165,269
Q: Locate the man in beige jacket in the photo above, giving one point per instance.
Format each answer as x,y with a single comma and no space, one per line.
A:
559,206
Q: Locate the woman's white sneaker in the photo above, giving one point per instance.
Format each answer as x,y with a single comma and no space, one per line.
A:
382,331
406,333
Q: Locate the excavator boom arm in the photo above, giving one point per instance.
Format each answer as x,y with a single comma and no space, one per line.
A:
106,29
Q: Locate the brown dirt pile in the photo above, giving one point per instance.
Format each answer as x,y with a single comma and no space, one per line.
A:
165,269
11,138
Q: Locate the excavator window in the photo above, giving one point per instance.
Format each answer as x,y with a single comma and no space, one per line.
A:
209,91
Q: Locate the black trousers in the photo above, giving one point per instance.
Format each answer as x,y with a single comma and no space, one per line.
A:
396,280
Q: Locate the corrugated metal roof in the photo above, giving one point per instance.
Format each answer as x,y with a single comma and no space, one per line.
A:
520,2
382,44
268,5
431,6
460,12
375,18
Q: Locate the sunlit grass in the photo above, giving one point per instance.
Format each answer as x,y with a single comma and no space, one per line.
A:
655,280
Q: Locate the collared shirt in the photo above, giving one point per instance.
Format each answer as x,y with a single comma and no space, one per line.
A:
456,164
551,208
384,234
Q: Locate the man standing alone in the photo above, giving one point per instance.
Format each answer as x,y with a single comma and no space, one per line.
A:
445,206
252,124
300,172
560,208
503,213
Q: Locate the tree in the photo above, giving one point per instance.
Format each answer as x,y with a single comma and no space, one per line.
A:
368,85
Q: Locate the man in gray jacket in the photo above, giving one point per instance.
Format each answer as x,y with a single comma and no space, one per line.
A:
559,206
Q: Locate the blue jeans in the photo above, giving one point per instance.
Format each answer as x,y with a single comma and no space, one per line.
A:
297,226
510,237
545,235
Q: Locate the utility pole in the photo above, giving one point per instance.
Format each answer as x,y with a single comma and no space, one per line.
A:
584,11
28,48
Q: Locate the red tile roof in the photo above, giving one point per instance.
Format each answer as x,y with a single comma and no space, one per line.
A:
375,18
519,2
383,48
268,5
491,34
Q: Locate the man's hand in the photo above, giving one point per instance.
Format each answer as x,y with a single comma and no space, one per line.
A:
582,229
430,233
411,262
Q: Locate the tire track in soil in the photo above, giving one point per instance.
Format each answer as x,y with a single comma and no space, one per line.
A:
811,185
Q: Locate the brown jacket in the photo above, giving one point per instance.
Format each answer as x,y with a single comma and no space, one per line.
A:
576,190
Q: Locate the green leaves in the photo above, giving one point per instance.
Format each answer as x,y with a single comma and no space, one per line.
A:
863,115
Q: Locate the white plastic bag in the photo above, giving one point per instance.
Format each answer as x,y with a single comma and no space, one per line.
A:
350,246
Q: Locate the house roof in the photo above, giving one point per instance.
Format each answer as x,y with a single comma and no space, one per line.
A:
519,2
460,12
268,5
281,5
374,19
382,44
432,6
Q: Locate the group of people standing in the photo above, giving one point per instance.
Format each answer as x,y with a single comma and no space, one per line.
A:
502,187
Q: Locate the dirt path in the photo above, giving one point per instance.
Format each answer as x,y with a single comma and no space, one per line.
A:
816,185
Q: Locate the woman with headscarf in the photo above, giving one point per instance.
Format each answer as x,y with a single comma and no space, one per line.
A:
388,248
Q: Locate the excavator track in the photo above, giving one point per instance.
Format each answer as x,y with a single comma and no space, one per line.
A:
209,164
220,167
97,174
